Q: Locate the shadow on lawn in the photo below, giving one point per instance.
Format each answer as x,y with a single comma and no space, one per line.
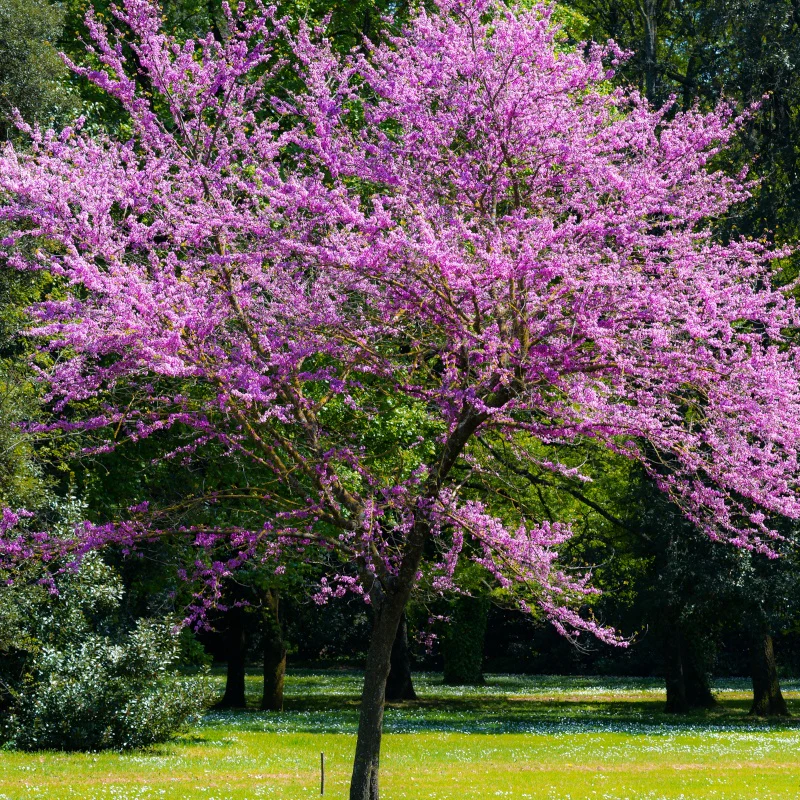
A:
320,703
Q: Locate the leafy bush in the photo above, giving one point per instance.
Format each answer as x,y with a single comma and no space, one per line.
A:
76,675
106,693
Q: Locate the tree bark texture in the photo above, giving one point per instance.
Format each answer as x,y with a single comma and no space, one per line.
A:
364,783
236,642
687,682
389,596
673,672
768,700
649,13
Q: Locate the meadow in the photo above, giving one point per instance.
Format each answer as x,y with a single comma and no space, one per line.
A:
548,738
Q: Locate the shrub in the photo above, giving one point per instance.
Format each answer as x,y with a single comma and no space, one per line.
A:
75,675
103,692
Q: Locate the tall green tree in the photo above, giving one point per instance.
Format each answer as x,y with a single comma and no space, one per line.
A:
33,79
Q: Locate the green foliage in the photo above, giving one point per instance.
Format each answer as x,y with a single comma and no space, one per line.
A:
350,20
742,50
643,554
75,675
22,478
462,642
32,76
103,692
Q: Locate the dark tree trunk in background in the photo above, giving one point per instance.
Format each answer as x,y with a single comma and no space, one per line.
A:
217,20
673,673
399,685
768,700
687,682
649,11
698,688
274,654
236,644
462,643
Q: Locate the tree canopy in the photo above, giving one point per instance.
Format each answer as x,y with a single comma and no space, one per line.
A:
357,278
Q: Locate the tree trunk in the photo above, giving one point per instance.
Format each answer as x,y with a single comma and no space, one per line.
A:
389,603
235,636
673,672
399,685
388,612
698,689
650,49
768,700
687,682
274,655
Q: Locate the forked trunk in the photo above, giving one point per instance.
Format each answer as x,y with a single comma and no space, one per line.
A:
768,700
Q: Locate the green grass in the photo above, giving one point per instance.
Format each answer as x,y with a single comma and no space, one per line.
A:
521,737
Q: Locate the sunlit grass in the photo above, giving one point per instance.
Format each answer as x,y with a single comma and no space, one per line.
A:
522,737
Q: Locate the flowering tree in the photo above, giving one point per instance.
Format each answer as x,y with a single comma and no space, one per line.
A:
350,271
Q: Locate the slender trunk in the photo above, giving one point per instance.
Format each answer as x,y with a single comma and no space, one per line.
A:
364,783
768,700
650,20
234,696
389,602
399,685
274,655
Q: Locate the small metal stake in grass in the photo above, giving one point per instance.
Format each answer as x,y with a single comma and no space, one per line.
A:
322,773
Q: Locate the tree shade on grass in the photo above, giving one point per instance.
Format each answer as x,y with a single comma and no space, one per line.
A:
543,737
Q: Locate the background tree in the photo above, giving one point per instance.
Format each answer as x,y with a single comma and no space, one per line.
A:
33,79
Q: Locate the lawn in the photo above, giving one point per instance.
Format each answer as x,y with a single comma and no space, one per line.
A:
520,737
